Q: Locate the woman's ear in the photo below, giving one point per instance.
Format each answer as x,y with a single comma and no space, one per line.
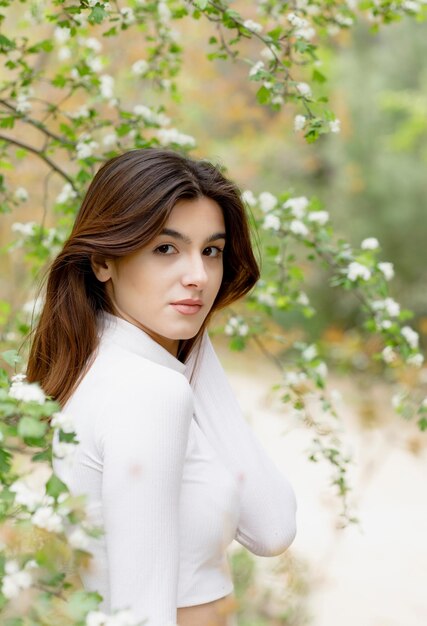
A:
101,267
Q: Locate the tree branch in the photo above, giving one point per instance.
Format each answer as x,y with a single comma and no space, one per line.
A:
42,156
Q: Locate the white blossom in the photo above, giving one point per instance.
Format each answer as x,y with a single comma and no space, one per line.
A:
172,135
253,26
22,104
236,326
292,379
61,35
64,53
389,305
140,67
370,243
248,198
356,270
386,324
299,122
344,20
411,5
46,517
296,21
321,369
307,33
85,148
302,299
78,539
319,217
96,64
64,421
309,353
106,86
26,495
110,140
92,43
267,54
67,193
389,354
82,111
21,194
335,126
27,392
277,99
271,222
304,89
257,67
416,360
298,228
266,298
26,229
297,206
64,450
387,269
15,579
397,399
411,336
164,12
267,201
127,15
151,116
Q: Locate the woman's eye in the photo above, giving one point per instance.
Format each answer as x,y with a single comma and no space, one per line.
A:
218,251
161,249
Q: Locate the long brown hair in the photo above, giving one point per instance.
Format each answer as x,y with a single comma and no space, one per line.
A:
126,206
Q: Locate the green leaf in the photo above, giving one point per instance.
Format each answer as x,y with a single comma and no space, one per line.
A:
237,343
55,486
46,46
11,357
7,122
112,32
41,457
201,4
422,423
6,44
97,15
318,76
81,602
263,95
5,461
30,428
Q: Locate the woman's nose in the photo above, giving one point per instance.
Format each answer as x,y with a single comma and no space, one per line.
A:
195,272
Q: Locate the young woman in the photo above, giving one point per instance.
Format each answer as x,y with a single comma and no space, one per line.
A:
168,464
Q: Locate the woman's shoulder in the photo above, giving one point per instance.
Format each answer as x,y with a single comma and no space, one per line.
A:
116,370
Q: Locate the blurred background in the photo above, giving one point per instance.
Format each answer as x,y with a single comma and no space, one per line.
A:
372,179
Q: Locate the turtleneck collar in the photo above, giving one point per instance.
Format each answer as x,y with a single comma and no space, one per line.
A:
136,340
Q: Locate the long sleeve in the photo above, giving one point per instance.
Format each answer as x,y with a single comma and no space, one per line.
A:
143,457
268,506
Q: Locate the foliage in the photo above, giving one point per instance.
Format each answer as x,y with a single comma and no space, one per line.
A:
61,109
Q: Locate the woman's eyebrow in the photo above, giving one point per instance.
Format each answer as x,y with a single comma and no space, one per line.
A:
174,233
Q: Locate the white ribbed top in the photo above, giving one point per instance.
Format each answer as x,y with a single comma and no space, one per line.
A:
172,472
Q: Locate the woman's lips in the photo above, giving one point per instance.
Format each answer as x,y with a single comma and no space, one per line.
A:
187,309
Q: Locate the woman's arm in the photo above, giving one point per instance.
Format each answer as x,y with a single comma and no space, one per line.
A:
144,451
268,505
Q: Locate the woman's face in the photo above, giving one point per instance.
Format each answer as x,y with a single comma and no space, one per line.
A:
184,262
